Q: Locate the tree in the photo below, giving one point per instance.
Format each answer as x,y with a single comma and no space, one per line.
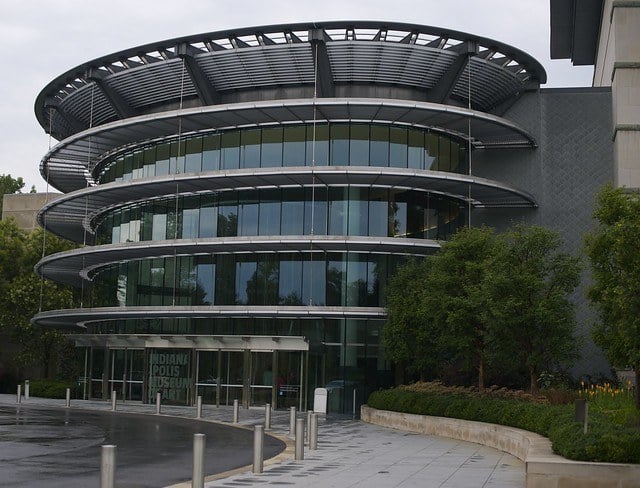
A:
437,308
9,185
23,294
613,254
530,284
460,304
408,336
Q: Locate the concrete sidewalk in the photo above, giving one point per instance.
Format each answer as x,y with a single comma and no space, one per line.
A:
350,453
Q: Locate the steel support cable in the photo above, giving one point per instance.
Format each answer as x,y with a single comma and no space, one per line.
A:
469,136
313,174
44,218
177,207
86,198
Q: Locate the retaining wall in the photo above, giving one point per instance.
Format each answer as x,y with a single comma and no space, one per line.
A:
544,469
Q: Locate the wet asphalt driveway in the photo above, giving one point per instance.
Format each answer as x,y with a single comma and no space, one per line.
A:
61,448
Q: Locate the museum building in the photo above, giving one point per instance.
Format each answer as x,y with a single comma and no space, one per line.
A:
241,198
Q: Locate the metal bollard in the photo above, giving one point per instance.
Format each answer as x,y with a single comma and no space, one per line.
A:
299,439
199,441
158,403
108,467
307,425
354,404
235,411
19,395
114,397
267,416
26,389
199,407
292,421
313,432
258,449
67,401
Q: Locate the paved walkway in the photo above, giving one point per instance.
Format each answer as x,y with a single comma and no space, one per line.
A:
350,453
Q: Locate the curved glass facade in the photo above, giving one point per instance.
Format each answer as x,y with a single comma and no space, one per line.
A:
337,144
347,222
320,279
339,211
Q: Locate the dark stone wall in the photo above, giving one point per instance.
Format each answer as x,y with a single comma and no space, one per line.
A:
573,160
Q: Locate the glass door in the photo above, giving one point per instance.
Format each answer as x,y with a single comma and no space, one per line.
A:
208,381
253,378
126,373
289,385
261,373
232,382
135,374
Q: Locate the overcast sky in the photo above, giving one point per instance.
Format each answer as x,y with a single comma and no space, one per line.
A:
43,38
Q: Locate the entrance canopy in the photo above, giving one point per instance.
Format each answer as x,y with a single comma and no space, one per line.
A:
221,342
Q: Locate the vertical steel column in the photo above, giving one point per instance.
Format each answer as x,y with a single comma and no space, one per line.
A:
158,403
267,416
67,402
246,378
26,389
354,403
300,381
113,400
86,374
19,394
218,378
274,382
235,411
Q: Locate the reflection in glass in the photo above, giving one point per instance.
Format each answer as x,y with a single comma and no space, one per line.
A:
356,211
337,144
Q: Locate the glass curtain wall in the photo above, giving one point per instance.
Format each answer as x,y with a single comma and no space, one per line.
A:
349,210
339,144
331,279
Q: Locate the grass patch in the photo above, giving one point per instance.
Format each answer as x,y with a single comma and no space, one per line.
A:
608,440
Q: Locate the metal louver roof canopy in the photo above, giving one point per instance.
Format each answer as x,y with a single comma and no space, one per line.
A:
437,64
67,166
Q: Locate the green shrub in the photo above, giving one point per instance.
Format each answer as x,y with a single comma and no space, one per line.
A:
50,388
605,441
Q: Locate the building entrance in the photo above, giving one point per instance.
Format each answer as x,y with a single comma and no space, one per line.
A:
254,370
119,370
251,377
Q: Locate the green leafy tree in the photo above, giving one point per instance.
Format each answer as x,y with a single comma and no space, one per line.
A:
460,304
23,294
408,335
9,185
531,281
613,253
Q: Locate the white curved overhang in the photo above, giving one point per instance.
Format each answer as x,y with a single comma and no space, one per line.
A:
67,166
71,267
71,215
189,341
80,317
